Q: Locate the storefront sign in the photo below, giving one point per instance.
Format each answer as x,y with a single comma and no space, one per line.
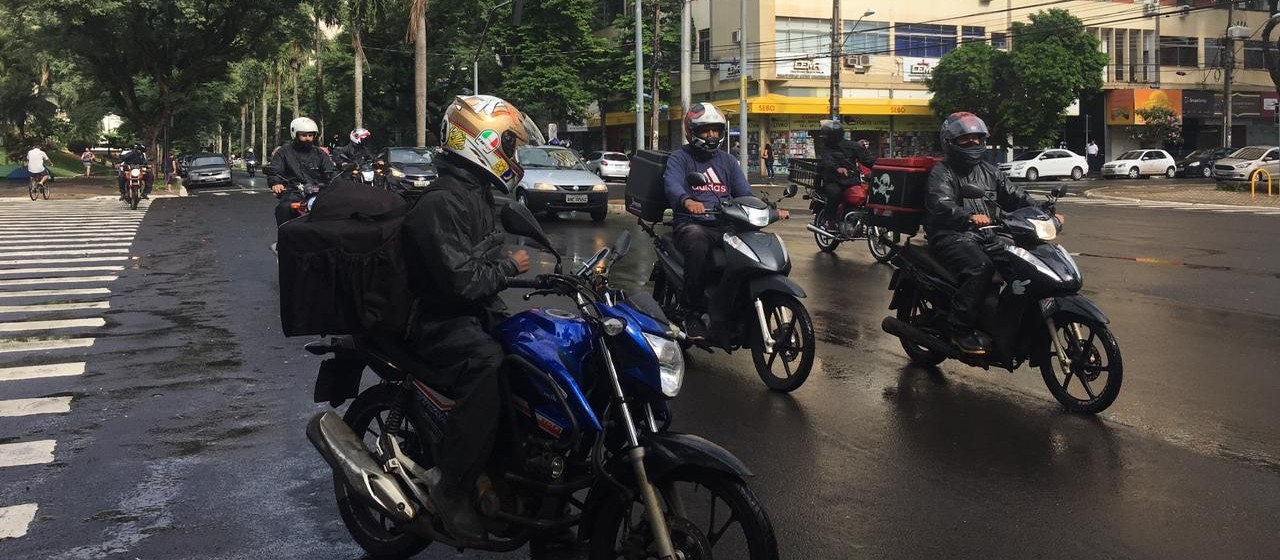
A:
1200,104
1123,104
1120,106
792,66
918,69
1246,104
1269,102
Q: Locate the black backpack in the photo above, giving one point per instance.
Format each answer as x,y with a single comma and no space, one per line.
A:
342,268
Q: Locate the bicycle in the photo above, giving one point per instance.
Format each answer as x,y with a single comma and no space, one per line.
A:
36,189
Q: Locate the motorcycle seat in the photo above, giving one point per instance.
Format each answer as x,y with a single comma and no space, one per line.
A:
717,253
386,353
922,259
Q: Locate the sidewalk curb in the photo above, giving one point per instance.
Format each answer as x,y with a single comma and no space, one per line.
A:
1090,194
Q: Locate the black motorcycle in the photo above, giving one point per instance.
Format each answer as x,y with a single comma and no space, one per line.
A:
1034,312
251,165
752,302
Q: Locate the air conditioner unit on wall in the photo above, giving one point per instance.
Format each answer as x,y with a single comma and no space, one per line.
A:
859,62
736,36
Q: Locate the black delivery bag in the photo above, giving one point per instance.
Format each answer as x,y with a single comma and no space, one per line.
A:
342,268
646,195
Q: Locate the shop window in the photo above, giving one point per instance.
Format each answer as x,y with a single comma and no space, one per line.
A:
869,37
1178,51
1253,57
803,35
924,40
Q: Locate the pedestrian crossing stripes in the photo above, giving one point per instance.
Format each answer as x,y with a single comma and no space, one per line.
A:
57,261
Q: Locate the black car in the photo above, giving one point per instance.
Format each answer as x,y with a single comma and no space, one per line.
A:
207,170
408,169
1200,162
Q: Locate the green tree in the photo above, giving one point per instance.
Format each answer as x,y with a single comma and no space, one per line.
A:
1022,93
1161,127
544,77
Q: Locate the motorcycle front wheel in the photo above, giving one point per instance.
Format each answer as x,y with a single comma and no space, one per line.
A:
1095,365
883,243
135,194
825,243
376,533
787,367
710,514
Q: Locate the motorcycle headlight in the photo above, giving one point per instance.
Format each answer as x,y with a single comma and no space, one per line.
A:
670,363
135,173
396,172
1045,230
758,217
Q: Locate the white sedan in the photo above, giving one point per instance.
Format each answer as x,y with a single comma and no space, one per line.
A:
1046,163
1141,163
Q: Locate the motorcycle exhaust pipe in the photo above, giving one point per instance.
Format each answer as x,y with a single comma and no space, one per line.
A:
819,231
905,331
348,456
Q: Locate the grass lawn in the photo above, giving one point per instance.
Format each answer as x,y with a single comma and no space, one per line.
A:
64,164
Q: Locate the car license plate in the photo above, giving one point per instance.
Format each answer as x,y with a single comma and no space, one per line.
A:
421,183
575,198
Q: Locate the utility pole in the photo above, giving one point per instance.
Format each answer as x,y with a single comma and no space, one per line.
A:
1155,10
835,52
1226,78
653,95
686,56
742,92
639,76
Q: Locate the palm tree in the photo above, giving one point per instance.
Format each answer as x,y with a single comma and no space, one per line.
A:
417,33
359,13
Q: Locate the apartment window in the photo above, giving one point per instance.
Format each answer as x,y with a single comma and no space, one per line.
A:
704,46
803,35
999,41
972,34
1253,5
1253,58
1178,51
1214,54
869,37
924,40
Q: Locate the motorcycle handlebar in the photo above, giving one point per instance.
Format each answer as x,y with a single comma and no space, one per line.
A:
535,283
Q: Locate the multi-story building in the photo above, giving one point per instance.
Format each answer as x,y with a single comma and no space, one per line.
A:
889,48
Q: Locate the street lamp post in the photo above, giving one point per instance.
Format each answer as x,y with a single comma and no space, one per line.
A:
837,45
475,63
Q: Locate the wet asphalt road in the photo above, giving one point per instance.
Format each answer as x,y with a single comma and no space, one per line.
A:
186,439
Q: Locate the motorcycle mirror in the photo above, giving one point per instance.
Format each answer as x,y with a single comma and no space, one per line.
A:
622,246
790,191
518,220
1059,191
696,179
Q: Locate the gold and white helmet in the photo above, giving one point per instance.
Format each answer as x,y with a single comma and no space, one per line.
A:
487,131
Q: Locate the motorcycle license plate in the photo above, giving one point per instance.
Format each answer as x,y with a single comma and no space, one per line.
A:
575,198
421,183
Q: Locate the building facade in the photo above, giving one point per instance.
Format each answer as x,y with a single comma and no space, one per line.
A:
888,49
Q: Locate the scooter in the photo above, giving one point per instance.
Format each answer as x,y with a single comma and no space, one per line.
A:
1033,313
752,302
583,440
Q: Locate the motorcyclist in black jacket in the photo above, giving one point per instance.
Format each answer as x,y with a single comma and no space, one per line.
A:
355,153
456,259
299,161
136,156
967,192
840,159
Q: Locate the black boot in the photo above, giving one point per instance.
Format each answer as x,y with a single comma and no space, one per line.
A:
455,507
969,343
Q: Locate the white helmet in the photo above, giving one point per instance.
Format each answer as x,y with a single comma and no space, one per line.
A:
700,117
486,132
302,124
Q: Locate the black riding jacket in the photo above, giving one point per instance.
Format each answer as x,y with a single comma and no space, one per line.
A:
955,194
291,165
134,157
454,248
846,154
352,153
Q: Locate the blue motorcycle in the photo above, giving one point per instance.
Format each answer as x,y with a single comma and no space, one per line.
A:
583,456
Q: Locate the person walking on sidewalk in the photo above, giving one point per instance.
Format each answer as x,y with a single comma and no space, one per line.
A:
766,160
1091,154
87,159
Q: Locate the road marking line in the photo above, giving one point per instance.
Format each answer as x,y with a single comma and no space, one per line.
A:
15,326
221,194
41,371
21,262
51,344
15,520
71,252
56,269
48,307
70,246
27,453
57,280
31,407
65,241
70,292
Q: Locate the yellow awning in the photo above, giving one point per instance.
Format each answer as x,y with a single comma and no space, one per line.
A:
774,104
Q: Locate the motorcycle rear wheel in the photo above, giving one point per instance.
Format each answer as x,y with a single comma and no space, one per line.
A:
375,533
715,505
883,243
825,243
1081,338
792,331
921,314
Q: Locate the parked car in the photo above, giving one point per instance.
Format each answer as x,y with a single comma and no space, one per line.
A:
609,165
407,169
1140,163
1241,165
1036,164
207,169
555,180
1200,162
